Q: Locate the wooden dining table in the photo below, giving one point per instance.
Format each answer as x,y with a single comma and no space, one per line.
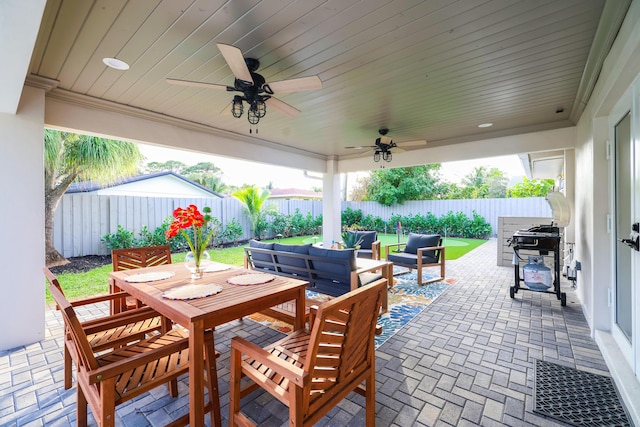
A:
200,314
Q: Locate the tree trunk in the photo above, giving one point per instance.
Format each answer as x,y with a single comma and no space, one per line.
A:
52,256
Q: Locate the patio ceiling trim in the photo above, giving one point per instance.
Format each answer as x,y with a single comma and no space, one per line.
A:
78,113
547,140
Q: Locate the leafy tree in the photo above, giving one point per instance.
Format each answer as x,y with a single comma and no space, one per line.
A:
389,186
531,188
170,165
70,157
202,167
483,183
359,190
253,200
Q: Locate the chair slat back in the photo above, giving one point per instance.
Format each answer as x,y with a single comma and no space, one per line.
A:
341,346
127,259
73,327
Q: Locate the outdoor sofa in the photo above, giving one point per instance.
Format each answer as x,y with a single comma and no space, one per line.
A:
331,272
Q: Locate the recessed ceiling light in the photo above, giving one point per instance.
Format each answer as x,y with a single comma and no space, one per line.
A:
115,63
485,125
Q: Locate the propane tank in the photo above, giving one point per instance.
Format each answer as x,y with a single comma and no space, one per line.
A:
536,275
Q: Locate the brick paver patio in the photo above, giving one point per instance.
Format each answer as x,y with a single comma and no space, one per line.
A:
467,359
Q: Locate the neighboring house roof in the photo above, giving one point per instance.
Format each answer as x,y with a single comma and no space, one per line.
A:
159,184
294,193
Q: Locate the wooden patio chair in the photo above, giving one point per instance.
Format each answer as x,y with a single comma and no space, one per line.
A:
311,371
106,333
130,258
109,379
419,251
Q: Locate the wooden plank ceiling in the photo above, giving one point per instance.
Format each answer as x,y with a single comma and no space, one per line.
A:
429,70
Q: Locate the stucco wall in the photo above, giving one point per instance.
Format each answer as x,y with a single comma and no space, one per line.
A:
22,251
593,172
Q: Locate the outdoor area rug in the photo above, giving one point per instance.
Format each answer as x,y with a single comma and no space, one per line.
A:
406,300
577,397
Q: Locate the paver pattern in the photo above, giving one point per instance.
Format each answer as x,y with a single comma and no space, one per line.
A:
466,360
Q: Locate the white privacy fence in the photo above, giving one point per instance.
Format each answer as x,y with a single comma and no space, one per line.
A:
81,220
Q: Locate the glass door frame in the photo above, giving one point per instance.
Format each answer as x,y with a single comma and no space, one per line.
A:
628,104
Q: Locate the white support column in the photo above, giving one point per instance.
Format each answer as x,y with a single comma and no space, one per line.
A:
331,206
569,192
22,216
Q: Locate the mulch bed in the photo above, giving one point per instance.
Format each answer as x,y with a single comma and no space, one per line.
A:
82,264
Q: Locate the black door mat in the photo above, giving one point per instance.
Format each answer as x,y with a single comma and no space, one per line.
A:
577,397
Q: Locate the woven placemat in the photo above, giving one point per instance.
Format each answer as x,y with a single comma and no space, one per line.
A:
149,277
212,267
192,291
251,279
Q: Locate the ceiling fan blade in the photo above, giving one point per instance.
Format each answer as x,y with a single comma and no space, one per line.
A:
411,143
226,111
294,85
283,107
196,84
397,149
235,60
361,147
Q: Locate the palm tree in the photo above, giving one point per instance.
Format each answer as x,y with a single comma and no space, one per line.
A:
253,201
70,157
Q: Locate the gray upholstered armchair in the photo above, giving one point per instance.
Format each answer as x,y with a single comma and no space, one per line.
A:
420,250
370,245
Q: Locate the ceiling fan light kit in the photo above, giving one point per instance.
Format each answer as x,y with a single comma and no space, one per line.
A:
256,92
385,146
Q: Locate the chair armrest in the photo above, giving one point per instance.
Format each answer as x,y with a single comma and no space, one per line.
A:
394,245
440,250
431,248
99,298
119,319
287,370
355,280
375,250
128,363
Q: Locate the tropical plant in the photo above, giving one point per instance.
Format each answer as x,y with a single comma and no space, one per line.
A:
120,239
71,157
254,202
531,188
351,239
232,231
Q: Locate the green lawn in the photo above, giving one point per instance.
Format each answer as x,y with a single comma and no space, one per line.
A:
79,285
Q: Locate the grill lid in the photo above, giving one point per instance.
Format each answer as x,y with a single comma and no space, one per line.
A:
560,208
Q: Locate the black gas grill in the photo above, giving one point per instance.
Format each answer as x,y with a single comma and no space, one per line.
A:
542,239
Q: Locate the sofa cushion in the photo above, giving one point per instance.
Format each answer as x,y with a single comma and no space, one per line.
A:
368,277
365,253
338,272
410,260
260,245
417,241
299,263
339,254
368,237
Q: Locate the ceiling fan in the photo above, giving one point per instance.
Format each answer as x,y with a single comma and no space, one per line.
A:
385,146
256,92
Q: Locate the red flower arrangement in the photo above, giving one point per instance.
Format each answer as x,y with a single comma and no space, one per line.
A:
191,217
